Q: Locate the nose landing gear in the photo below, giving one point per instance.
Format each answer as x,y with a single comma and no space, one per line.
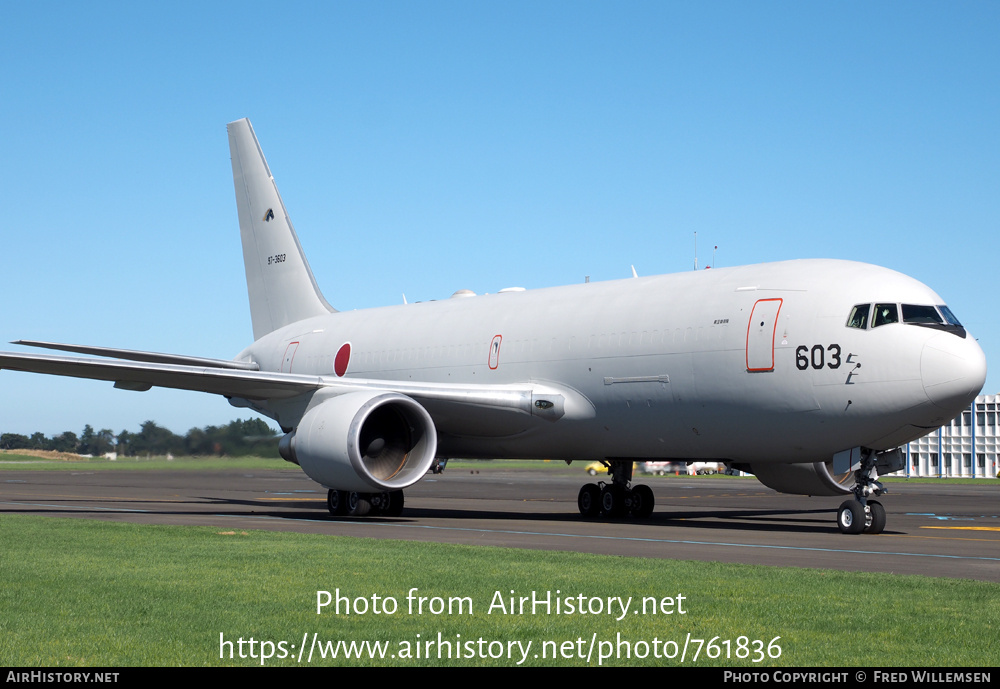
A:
861,515
854,518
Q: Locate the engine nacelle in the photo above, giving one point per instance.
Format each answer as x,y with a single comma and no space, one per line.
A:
364,441
811,478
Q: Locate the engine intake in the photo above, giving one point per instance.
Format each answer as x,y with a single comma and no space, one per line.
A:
363,441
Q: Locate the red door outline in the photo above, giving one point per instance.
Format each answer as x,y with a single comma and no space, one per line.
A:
761,327
286,362
495,352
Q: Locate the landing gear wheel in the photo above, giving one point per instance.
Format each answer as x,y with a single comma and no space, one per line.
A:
851,517
394,506
642,501
589,500
336,502
877,513
389,503
613,501
863,514
358,504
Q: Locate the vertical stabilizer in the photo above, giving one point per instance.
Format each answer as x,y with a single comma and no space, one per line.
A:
280,284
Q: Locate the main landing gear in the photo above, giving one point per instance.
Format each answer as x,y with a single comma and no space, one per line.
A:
353,504
860,514
618,498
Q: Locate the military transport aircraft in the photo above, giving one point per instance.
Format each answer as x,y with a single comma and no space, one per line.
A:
808,374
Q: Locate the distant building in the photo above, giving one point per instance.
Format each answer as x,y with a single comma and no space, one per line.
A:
966,447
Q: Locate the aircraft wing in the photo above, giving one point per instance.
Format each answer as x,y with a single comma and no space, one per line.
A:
135,355
533,399
140,375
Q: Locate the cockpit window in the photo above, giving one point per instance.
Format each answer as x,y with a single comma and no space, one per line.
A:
949,317
913,313
884,314
937,317
859,316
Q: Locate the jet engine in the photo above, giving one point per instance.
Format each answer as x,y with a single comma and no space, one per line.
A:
811,478
363,441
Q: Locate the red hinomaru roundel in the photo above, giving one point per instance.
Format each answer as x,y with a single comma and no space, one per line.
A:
342,359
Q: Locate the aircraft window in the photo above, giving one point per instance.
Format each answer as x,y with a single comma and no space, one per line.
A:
885,313
859,316
949,317
913,313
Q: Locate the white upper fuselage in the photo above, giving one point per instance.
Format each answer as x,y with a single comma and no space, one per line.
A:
667,367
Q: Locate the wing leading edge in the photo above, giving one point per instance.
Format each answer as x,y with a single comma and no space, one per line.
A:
142,375
136,355
217,377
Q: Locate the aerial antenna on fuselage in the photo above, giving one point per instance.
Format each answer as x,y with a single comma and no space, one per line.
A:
634,274
696,249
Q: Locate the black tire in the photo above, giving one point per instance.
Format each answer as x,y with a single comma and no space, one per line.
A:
358,504
642,501
589,500
394,508
851,517
613,501
336,502
877,513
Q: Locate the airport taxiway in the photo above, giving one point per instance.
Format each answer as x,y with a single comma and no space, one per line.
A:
933,529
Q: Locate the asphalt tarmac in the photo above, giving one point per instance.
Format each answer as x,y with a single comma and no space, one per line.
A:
933,530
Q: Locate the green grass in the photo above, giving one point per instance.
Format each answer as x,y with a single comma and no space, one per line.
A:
80,592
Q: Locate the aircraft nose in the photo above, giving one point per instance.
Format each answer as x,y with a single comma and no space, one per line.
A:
952,370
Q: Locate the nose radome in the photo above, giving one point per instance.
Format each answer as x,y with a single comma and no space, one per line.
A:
952,370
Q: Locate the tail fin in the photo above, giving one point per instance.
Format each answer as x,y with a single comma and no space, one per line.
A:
280,284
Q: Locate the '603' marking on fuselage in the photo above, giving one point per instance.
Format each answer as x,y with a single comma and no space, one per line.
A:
816,356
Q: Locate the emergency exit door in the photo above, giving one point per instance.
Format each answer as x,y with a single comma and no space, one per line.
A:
760,335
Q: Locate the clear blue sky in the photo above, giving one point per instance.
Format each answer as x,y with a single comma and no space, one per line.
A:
422,147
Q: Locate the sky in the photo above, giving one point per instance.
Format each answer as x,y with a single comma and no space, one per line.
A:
425,147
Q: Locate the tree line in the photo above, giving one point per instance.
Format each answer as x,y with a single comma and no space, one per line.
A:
239,437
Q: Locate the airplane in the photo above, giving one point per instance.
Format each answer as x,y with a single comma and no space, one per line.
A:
808,374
